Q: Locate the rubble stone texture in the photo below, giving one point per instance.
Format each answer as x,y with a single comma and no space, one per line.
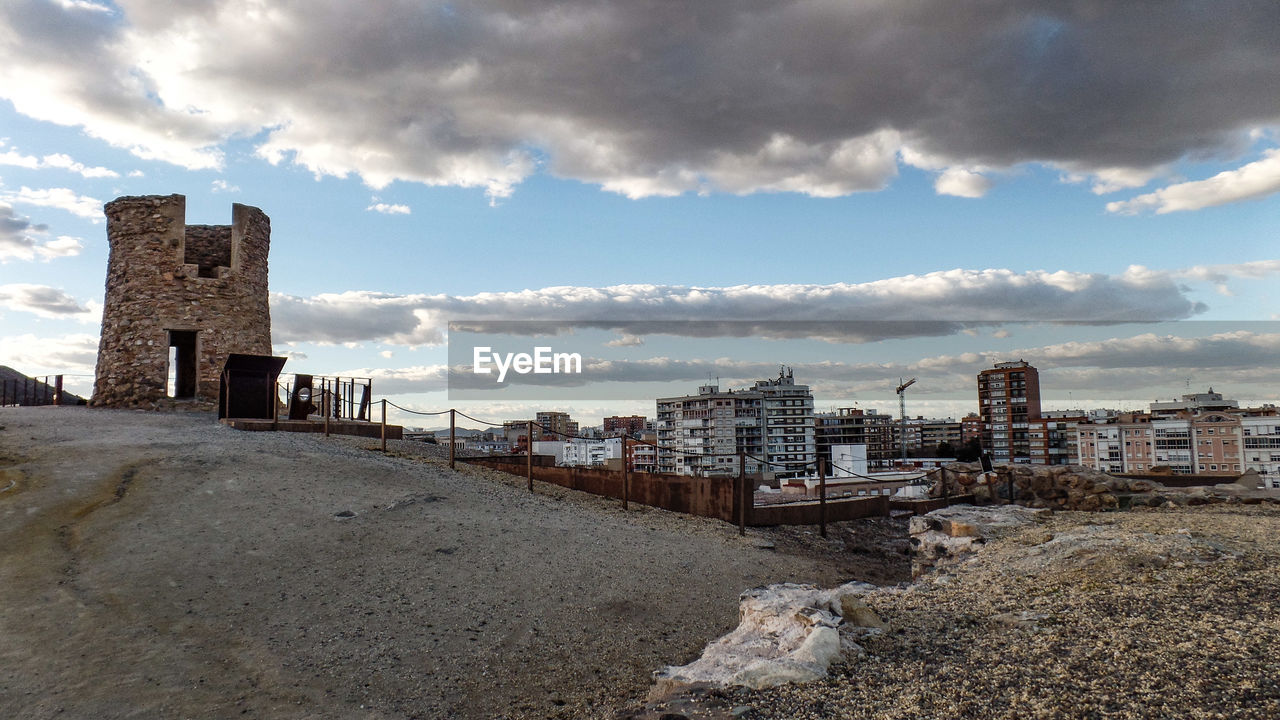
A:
947,536
786,633
164,275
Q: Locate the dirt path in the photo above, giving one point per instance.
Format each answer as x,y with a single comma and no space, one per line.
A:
160,565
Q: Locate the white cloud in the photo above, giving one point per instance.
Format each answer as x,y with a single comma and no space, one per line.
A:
17,159
386,209
1113,179
1254,180
65,162
953,178
1220,274
626,340
47,302
76,353
83,5
59,160
807,97
60,198
962,183
396,381
221,186
937,303
20,239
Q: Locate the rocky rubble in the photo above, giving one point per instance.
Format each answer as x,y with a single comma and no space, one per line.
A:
944,537
1057,487
786,633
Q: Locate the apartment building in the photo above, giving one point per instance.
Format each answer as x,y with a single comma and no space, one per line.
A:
555,426
855,426
1008,402
1201,434
631,425
772,422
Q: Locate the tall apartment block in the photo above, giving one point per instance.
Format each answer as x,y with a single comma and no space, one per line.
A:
555,426
772,422
1008,402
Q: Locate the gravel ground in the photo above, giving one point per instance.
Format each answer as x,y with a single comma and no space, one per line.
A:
161,565
1168,613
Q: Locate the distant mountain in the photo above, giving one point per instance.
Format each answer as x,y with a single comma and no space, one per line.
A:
19,389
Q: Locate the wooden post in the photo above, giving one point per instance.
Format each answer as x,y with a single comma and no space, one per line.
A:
946,491
528,460
626,477
822,497
452,423
324,400
384,424
275,406
743,494
57,390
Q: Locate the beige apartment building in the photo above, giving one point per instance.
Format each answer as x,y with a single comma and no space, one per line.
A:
1201,434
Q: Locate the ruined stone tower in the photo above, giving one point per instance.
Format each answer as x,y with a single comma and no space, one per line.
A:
180,295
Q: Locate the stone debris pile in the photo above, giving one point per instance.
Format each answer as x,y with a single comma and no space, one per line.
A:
947,536
1057,487
1076,487
786,633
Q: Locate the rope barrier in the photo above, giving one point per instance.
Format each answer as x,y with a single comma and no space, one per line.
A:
416,412
475,419
924,474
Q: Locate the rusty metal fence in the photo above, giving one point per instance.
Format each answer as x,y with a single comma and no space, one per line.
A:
31,391
731,498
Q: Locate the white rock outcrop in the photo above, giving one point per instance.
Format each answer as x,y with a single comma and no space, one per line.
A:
786,633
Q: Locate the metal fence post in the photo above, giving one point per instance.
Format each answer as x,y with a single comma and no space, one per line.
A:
626,477
822,497
742,493
528,460
384,424
57,389
324,402
452,423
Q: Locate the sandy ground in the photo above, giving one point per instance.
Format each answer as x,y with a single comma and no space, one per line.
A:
160,565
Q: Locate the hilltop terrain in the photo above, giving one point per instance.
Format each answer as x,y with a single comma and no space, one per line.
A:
161,565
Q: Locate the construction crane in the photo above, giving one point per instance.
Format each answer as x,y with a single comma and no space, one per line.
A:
902,412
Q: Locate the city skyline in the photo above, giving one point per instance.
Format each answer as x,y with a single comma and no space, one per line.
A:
697,170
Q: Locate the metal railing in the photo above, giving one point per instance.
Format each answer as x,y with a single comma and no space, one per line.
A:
31,391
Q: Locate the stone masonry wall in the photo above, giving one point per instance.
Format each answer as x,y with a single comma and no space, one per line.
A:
151,289
208,247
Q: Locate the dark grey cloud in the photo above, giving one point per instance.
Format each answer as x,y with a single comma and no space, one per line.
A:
17,235
650,97
44,301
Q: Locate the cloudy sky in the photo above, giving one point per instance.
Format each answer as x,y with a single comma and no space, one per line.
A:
721,169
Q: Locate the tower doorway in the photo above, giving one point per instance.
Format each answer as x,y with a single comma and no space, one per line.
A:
182,362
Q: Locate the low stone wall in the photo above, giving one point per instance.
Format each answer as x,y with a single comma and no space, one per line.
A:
1057,487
